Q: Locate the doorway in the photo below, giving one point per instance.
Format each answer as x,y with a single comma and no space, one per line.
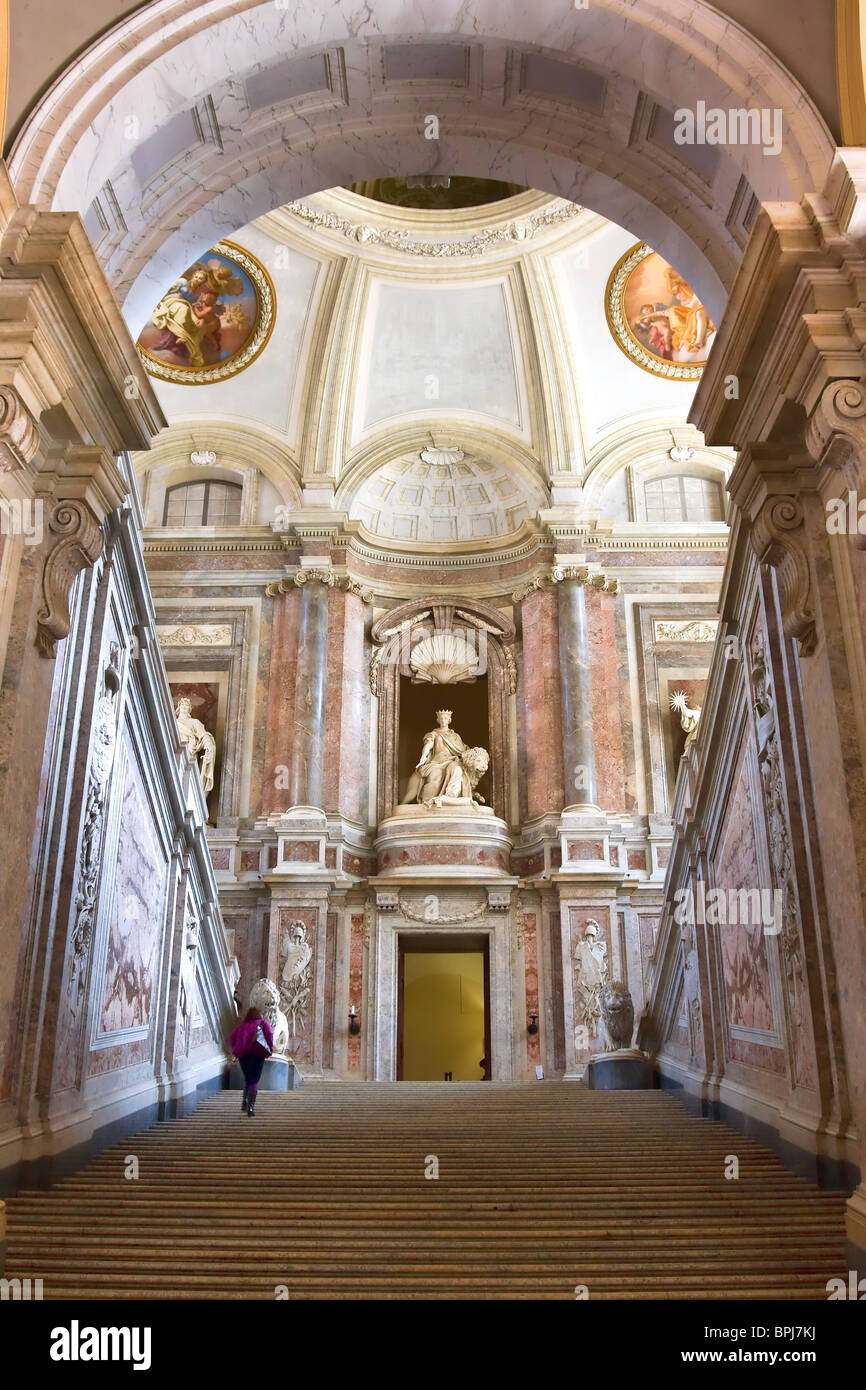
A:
443,1029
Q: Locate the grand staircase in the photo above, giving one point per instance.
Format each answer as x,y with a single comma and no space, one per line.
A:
542,1188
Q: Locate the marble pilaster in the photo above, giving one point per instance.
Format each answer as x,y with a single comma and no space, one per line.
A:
578,744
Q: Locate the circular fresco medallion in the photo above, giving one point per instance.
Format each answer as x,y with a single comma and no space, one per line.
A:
656,317
213,322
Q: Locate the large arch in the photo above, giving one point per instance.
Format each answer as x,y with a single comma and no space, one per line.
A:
175,124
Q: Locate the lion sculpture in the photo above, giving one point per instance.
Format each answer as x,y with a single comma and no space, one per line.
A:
462,776
265,996
617,1011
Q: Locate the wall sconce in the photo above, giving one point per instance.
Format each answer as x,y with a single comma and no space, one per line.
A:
532,1026
354,1022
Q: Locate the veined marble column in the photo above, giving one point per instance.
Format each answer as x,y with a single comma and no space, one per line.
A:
578,747
308,742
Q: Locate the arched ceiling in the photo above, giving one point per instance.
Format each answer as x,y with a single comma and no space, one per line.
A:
184,122
439,378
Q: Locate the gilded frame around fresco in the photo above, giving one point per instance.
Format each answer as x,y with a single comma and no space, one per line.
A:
622,334
239,361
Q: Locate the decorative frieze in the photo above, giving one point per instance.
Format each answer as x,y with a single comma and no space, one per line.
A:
194,634
476,245
685,630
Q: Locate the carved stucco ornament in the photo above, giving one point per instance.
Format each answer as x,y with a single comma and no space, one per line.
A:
836,436
557,574
19,434
77,543
779,539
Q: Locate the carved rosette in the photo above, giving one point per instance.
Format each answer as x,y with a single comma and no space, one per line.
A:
77,543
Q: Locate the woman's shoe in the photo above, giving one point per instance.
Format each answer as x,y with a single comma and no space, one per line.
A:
245,1103
251,1109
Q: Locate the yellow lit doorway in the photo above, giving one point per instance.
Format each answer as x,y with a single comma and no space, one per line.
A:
443,1025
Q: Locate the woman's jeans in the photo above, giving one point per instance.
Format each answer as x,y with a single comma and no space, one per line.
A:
252,1065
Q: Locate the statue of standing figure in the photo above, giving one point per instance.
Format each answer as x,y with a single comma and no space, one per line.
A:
448,770
590,958
198,741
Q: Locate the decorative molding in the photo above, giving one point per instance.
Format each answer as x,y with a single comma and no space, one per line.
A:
686,630
778,535
19,433
195,635
583,574
475,245
442,457
203,457
90,850
779,843
441,919
78,544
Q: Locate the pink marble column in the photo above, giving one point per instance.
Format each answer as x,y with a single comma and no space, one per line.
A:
542,703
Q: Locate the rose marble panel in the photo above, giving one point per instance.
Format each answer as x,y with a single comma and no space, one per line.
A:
743,945
136,914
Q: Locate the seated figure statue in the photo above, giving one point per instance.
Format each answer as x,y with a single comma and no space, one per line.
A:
447,772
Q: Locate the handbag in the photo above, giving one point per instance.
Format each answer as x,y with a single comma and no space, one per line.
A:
261,1043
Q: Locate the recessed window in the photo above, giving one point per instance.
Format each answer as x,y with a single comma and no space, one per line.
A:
683,498
203,504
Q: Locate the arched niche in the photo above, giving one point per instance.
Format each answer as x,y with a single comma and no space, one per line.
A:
396,636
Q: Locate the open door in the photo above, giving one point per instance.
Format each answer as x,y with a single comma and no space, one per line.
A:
443,1024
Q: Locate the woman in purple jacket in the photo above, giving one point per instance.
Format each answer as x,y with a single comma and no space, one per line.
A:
251,1054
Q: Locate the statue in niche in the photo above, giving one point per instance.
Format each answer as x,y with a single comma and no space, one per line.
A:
198,741
448,771
462,775
590,957
689,718
296,954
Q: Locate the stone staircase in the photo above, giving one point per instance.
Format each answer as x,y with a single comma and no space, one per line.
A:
542,1187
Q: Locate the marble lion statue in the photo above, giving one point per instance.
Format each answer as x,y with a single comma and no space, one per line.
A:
265,995
618,1013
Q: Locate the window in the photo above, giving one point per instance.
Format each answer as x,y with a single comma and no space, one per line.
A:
203,504
683,499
